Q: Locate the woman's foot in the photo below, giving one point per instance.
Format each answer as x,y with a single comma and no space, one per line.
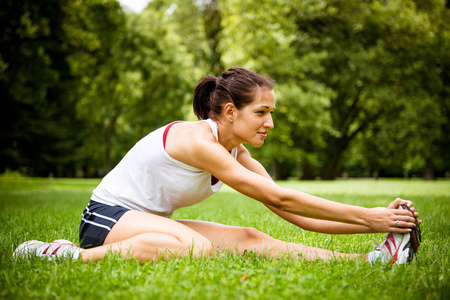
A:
398,248
55,249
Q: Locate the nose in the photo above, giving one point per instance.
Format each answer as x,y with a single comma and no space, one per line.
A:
269,122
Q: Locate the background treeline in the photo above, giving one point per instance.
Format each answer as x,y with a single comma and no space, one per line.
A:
362,86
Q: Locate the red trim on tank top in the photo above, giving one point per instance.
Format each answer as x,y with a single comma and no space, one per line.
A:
214,180
166,131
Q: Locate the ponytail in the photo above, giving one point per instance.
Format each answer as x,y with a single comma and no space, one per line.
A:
202,97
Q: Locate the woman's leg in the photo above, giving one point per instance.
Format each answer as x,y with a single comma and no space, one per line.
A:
240,239
149,237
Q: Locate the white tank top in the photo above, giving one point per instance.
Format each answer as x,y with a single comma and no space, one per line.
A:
150,180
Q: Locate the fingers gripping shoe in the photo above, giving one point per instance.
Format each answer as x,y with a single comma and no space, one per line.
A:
55,249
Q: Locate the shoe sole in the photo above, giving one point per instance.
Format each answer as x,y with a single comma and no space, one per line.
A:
416,234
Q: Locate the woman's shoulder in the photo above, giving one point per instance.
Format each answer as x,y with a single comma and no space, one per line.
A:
185,139
201,128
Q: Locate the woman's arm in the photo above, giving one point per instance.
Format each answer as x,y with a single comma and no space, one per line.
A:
317,225
198,148
322,226
266,191
330,227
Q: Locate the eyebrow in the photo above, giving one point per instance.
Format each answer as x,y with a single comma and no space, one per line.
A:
265,106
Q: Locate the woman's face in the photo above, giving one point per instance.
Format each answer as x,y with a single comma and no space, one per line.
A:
253,121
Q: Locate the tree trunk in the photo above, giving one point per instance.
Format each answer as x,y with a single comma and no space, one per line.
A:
280,171
212,18
109,133
330,170
307,171
429,170
336,147
108,159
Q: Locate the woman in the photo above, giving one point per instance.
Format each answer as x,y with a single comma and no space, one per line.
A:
183,163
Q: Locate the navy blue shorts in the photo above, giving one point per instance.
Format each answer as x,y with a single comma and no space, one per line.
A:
96,222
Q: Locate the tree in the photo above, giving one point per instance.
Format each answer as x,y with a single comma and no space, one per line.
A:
368,58
140,82
212,17
351,77
412,139
259,36
40,131
368,64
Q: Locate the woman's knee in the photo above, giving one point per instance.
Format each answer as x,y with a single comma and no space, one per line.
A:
253,236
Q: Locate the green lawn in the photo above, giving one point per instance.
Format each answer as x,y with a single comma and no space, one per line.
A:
49,209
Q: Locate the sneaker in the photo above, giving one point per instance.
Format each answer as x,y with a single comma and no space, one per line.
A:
396,249
416,234
55,249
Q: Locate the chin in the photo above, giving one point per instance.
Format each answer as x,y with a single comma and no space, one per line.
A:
257,145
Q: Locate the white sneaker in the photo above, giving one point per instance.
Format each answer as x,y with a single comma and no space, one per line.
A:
396,248
55,249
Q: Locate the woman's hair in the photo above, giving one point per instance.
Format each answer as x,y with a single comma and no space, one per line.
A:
238,86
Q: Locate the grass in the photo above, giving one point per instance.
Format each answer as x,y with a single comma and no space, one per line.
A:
49,209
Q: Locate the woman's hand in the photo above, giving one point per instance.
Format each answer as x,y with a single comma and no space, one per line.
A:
396,203
391,219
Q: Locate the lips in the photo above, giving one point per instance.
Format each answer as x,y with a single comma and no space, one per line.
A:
263,134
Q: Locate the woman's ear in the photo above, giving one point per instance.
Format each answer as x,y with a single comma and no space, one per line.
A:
229,111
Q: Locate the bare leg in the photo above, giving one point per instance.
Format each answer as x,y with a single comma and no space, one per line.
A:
149,237
240,239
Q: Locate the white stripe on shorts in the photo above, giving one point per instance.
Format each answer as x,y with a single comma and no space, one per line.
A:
96,224
98,215
104,217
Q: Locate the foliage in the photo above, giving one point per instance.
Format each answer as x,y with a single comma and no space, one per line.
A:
369,65
261,37
366,64
223,276
141,83
39,127
362,86
411,136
